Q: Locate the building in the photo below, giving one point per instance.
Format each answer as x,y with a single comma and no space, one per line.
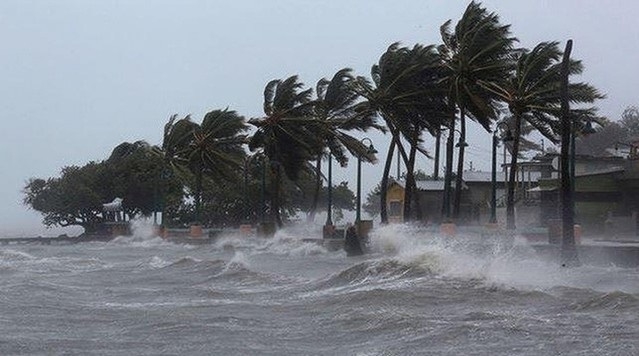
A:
606,193
475,204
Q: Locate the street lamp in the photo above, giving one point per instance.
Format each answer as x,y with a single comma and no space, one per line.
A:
461,142
448,171
493,198
329,211
263,192
371,150
328,227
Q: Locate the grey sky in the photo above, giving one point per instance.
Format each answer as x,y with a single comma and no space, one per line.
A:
79,77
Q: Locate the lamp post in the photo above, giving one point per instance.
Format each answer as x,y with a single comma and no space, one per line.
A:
371,150
329,230
448,172
329,209
493,196
263,192
165,175
461,144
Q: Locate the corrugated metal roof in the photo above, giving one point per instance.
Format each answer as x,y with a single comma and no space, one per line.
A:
431,185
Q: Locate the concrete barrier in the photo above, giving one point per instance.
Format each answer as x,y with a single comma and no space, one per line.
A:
555,232
246,229
448,229
266,229
196,231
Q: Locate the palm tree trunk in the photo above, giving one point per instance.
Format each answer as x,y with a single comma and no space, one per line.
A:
436,164
450,143
510,195
316,192
460,165
409,190
198,195
383,191
275,197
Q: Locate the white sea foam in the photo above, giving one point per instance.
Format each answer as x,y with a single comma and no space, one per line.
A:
10,255
142,235
158,262
497,263
291,242
287,241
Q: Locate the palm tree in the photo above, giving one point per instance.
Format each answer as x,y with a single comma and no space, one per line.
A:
404,92
337,106
288,135
533,96
477,51
176,137
216,148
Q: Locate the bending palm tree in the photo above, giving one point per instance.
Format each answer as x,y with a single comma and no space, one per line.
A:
216,148
477,51
532,94
175,141
405,93
336,105
288,135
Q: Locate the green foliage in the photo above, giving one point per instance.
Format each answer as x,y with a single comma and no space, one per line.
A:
372,204
289,135
477,52
73,199
76,197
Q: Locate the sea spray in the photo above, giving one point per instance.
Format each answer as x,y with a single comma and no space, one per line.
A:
143,234
496,261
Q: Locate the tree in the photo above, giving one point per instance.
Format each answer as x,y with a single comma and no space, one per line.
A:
607,136
216,148
337,106
288,135
176,137
475,53
630,121
135,172
405,92
532,95
73,199
372,204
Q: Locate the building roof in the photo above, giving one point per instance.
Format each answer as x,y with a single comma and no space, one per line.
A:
600,171
481,177
430,185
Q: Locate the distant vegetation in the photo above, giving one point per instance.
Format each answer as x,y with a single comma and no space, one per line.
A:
220,171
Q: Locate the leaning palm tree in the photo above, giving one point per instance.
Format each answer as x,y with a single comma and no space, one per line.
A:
403,92
176,138
216,148
337,106
533,96
477,51
288,134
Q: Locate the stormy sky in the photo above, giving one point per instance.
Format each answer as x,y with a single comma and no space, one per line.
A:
79,77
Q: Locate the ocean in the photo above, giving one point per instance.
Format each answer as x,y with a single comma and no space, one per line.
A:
414,293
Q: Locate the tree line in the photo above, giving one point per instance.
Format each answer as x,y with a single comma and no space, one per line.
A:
476,73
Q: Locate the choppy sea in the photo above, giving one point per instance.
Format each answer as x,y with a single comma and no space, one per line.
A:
413,294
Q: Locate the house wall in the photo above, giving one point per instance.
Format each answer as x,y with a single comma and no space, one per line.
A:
394,197
595,197
431,203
